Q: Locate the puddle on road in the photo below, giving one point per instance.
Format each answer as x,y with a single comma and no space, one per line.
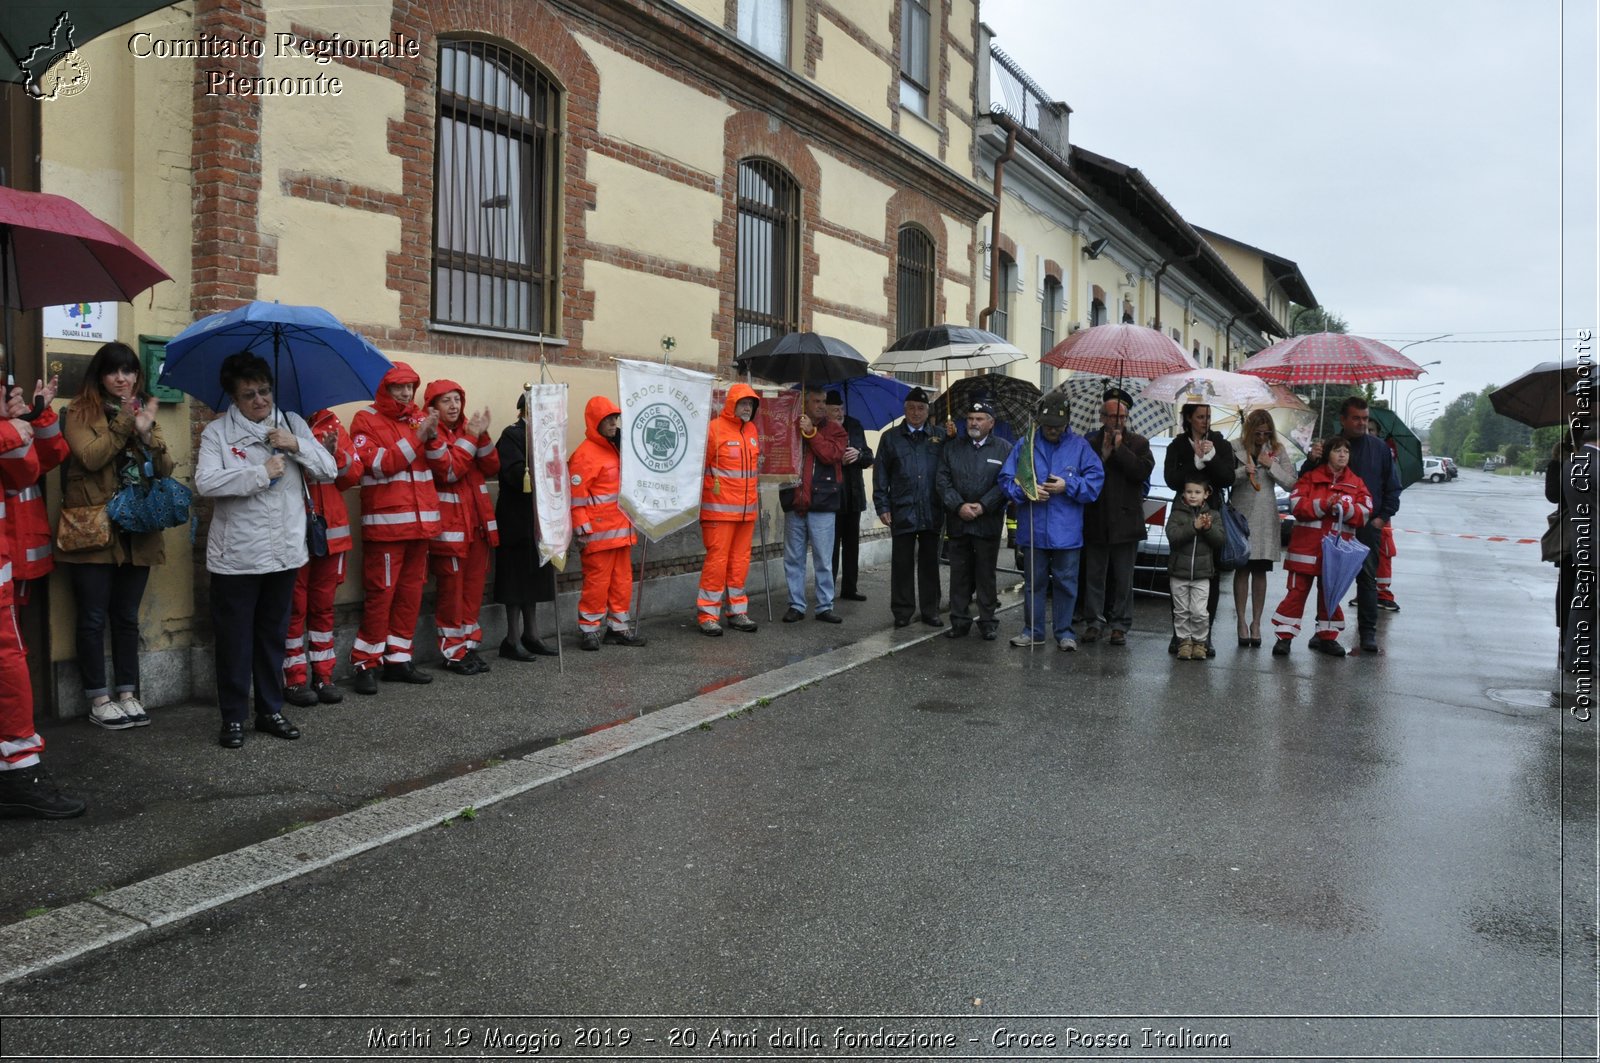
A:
1535,702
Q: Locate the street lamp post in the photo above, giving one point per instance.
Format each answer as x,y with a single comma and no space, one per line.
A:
1417,393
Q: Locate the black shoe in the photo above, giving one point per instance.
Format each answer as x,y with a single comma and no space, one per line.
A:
1330,647
1389,605
1369,643
792,614
329,694
277,725
742,623
461,667
902,621
477,661
589,640
300,695
1211,651
958,630
30,792
989,632
366,681
828,616
1172,647
231,736
534,645
932,620
1280,647
613,637
853,596
404,672
516,652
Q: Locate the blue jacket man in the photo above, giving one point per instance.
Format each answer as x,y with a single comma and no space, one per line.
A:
1050,531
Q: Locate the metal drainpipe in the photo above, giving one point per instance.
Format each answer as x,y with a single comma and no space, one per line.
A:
1183,258
1227,340
994,228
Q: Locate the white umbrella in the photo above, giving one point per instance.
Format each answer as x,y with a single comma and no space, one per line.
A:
1209,387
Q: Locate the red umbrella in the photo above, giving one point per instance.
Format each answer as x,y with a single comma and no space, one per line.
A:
1330,358
1120,351
52,251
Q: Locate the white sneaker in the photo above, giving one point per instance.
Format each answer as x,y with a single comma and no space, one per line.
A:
1026,639
133,709
110,717
1067,646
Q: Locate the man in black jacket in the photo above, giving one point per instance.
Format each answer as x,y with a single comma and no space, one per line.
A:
852,502
1113,524
975,511
903,496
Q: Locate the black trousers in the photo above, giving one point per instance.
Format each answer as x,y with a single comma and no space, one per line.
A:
1367,582
847,553
251,617
972,568
914,573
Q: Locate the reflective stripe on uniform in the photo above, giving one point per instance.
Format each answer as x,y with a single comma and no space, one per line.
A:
734,474
398,518
619,533
341,532
406,449
37,553
592,500
27,494
450,496
450,537
720,507
369,647
1304,559
402,477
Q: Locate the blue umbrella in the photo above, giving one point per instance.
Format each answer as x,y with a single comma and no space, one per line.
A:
873,400
316,360
1341,560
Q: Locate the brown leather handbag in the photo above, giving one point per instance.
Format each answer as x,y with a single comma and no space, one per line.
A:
83,528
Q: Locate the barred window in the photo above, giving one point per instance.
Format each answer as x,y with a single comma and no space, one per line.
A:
916,23
766,296
494,192
916,273
1048,312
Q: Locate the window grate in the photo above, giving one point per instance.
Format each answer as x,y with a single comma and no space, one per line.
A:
767,267
495,151
916,273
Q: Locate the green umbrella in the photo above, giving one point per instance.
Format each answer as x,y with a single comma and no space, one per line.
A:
1408,448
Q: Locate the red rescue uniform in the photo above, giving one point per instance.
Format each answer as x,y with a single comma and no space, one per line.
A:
459,554
1322,503
399,514
600,525
309,645
729,505
20,744
27,522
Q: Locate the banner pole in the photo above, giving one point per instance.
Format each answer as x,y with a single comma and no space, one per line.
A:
761,528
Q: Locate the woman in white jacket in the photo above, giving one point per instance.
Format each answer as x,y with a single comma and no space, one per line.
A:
251,461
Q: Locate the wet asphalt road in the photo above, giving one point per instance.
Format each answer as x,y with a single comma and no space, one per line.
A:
963,833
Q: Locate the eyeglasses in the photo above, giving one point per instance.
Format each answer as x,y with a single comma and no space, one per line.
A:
253,395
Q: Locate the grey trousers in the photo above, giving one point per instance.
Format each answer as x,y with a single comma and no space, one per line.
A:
1107,597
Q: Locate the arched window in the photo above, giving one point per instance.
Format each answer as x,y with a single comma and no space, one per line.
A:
916,273
495,221
766,296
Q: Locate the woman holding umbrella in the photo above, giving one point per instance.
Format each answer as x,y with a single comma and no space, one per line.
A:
110,428
1328,500
251,461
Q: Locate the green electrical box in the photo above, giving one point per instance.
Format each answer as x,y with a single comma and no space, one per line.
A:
153,353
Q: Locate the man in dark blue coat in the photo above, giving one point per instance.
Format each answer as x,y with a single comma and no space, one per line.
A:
852,503
1370,459
975,515
904,496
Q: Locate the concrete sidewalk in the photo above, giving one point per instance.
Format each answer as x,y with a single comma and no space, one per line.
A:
174,820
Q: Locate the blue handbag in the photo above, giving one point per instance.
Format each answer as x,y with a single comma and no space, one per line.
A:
1235,552
149,503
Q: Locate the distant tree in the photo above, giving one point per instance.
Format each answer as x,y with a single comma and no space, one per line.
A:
1448,433
1304,320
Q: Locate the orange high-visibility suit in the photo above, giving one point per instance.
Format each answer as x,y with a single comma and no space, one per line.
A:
600,525
729,505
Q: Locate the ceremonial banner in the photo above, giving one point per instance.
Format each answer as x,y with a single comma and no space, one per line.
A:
665,414
546,471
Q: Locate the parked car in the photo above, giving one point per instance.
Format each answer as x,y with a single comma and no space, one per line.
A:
1434,470
1150,562
1450,467
1489,465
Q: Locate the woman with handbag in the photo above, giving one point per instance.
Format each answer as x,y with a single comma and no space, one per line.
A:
1261,463
251,461
111,434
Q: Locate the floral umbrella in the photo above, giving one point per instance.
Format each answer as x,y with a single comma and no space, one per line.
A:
1210,387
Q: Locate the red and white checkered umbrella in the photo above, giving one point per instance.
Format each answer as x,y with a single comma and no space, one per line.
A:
1330,358
1120,352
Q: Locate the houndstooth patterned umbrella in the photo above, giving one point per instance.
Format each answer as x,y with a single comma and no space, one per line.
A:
1084,390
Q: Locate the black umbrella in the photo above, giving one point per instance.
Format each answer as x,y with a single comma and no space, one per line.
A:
1541,397
807,358
1013,399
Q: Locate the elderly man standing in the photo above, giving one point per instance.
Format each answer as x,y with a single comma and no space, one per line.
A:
904,496
1113,524
809,518
1062,475
975,512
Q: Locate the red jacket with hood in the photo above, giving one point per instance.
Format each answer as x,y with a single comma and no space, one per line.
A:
329,497
1322,504
27,524
460,464
596,468
398,501
19,466
731,488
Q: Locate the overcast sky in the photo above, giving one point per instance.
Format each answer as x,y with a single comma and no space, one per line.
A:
1408,155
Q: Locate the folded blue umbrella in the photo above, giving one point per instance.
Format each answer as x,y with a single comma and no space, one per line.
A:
316,360
872,399
1341,561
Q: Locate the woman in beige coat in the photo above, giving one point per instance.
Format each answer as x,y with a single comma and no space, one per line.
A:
110,428
1261,460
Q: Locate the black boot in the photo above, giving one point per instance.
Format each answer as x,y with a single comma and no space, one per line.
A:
31,792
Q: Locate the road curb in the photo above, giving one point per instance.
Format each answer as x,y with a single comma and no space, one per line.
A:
55,937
